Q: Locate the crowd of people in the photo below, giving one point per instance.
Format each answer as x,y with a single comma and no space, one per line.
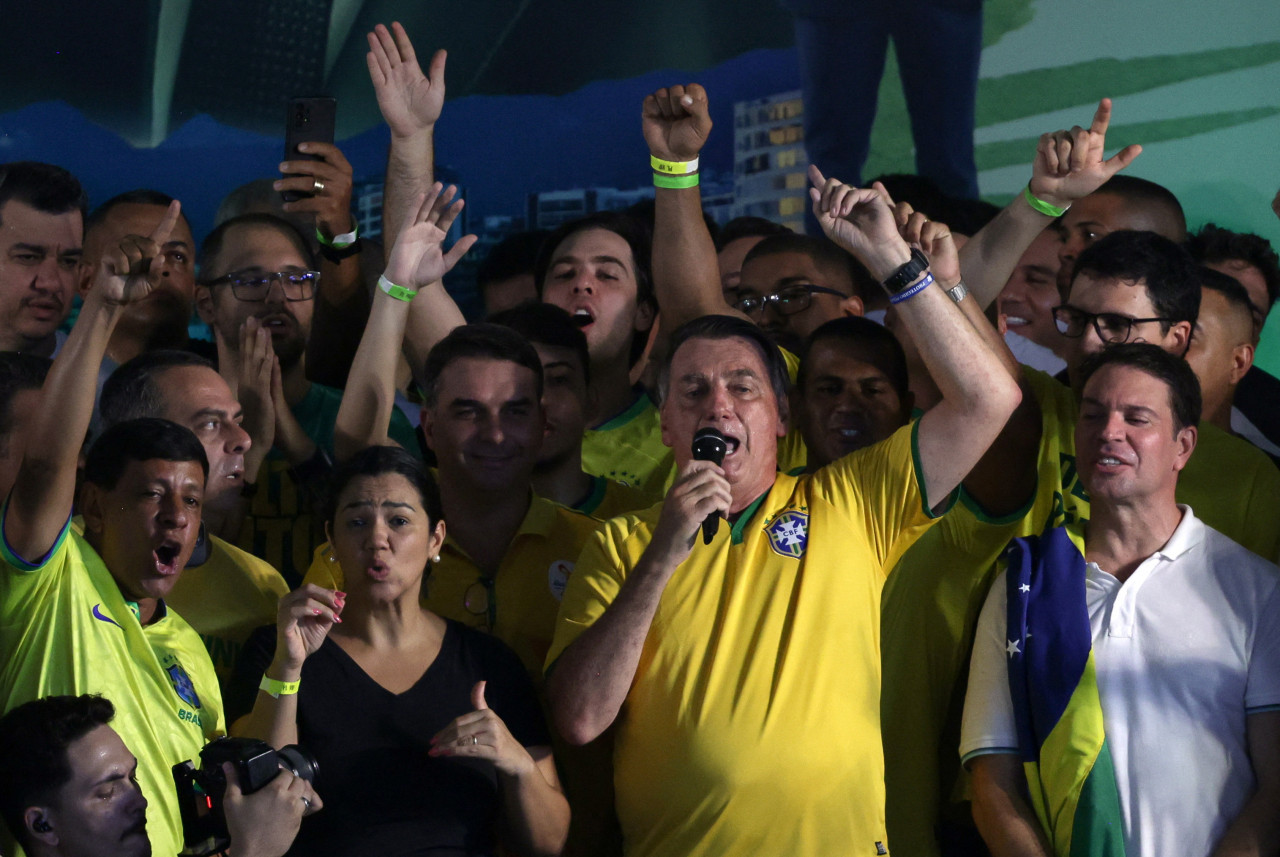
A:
984,565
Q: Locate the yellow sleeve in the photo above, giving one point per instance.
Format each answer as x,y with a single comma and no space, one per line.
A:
880,488
595,582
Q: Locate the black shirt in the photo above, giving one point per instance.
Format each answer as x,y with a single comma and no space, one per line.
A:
383,794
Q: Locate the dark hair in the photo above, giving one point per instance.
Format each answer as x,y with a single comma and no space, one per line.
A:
748,226
44,187
545,324
142,196
512,256
1215,244
1176,373
34,738
875,342
728,327
1171,277
379,460
482,340
18,372
131,392
140,440
1229,287
635,232
1149,195
211,247
823,252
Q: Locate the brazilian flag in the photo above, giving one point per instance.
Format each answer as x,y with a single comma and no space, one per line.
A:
1055,698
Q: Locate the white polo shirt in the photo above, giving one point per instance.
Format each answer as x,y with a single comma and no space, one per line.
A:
1185,650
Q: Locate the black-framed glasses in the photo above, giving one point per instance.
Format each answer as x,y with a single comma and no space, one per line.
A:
481,599
254,286
787,300
1111,327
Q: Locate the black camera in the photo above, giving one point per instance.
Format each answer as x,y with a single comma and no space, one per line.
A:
200,790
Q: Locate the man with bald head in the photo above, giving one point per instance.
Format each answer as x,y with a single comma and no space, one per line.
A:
1222,344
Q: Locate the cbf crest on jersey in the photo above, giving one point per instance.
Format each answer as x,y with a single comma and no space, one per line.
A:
182,684
789,533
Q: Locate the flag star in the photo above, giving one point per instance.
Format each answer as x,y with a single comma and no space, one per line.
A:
1012,648
1026,587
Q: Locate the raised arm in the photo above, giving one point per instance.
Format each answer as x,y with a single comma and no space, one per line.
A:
411,103
418,261
977,393
44,489
676,122
1069,165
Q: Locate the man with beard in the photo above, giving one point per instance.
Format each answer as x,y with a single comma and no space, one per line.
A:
86,613
41,230
259,279
69,788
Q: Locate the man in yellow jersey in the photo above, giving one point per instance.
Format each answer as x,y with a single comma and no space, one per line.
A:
86,614
69,788
743,674
224,592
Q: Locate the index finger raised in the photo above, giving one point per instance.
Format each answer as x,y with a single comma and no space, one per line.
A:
1101,117
164,228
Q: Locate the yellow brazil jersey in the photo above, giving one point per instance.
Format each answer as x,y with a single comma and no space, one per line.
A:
224,598
792,453
929,613
65,628
753,723
519,604
629,449
1233,486
609,499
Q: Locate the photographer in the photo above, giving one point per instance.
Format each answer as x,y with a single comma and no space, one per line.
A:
69,787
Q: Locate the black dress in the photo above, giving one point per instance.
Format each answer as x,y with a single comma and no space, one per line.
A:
383,795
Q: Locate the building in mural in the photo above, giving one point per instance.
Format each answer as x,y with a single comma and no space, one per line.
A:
769,161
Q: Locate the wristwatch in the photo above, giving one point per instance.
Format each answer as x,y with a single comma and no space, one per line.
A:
958,292
908,273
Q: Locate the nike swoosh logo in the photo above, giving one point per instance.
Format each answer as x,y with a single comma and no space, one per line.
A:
97,614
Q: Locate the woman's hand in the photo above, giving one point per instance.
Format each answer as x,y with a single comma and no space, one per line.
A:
482,735
303,620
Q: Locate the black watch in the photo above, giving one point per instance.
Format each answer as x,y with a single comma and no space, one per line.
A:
907,274
337,254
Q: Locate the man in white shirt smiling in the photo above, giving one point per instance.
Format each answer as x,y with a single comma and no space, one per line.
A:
1165,734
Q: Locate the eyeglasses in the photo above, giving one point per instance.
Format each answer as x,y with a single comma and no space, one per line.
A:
481,599
788,300
1112,327
255,287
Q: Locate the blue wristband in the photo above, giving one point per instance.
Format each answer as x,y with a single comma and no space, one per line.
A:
919,287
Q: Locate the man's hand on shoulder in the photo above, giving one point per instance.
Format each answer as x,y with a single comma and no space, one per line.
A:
676,122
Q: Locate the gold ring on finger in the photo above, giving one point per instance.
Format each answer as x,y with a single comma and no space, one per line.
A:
319,185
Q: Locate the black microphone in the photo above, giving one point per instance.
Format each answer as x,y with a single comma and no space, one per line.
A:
709,445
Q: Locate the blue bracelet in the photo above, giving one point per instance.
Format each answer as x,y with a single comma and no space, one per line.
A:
913,291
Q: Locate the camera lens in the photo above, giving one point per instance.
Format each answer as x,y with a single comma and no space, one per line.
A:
298,762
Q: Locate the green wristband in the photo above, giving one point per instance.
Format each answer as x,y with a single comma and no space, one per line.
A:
664,180
1040,205
400,293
